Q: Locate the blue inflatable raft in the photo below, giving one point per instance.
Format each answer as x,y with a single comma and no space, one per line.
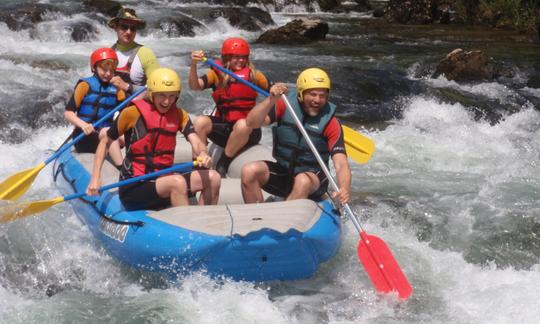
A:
280,240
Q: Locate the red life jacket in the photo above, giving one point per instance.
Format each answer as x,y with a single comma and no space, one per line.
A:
235,101
152,142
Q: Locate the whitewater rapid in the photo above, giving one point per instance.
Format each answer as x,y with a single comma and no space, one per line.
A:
455,197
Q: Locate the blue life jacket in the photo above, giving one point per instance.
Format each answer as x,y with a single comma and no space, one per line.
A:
291,149
101,98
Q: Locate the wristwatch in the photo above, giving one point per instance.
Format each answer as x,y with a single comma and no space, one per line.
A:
130,88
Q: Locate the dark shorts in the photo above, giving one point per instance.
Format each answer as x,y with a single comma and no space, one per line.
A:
143,195
281,182
221,130
88,144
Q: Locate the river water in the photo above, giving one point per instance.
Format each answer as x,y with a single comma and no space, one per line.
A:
453,186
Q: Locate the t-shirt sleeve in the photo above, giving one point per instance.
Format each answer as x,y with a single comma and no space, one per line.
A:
81,90
334,135
277,112
186,126
261,81
148,60
210,79
120,95
127,119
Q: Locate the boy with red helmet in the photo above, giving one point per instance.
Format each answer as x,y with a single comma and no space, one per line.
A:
227,126
92,99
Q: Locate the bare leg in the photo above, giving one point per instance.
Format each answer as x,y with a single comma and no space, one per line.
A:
254,176
238,138
208,182
114,150
304,184
174,187
203,127
116,153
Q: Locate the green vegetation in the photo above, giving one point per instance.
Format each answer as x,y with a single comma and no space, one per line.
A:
523,15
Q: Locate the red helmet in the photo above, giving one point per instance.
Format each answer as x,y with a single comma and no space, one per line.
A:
235,46
101,54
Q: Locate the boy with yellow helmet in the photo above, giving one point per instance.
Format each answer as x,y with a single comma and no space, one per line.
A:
297,174
150,127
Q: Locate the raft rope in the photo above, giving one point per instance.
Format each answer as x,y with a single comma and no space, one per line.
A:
60,169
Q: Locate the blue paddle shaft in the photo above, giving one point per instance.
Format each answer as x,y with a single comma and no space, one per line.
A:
249,84
180,168
97,123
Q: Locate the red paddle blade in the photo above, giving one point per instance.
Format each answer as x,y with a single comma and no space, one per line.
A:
381,266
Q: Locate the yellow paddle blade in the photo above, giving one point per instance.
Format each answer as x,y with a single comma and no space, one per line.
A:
10,211
15,186
359,147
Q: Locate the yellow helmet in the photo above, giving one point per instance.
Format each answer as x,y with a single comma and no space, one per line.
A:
163,80
312,78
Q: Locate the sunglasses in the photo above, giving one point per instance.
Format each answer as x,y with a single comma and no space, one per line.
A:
126,27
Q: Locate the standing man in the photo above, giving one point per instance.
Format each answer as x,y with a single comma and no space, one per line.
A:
135,61
297,174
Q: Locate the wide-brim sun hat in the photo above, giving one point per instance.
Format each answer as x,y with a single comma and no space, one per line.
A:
128,15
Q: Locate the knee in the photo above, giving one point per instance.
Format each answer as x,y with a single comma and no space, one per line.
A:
242,126
202,123
302,181
215,179
248,172
179,184
103,133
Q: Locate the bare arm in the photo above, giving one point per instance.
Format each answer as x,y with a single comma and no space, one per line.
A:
72,117
99,157
343,173
258,116
199,148
195,83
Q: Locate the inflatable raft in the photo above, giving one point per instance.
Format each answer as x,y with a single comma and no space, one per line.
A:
275,240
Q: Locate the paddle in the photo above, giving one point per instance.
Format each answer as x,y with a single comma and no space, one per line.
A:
22,209
373,252
359,147
376,257
16,185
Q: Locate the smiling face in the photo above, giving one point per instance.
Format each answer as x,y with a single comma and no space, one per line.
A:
105,69
163,101
126,31
237,62
314,100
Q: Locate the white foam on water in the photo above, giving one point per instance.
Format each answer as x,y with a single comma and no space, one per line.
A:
437,162
492,90
532,91
231,302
